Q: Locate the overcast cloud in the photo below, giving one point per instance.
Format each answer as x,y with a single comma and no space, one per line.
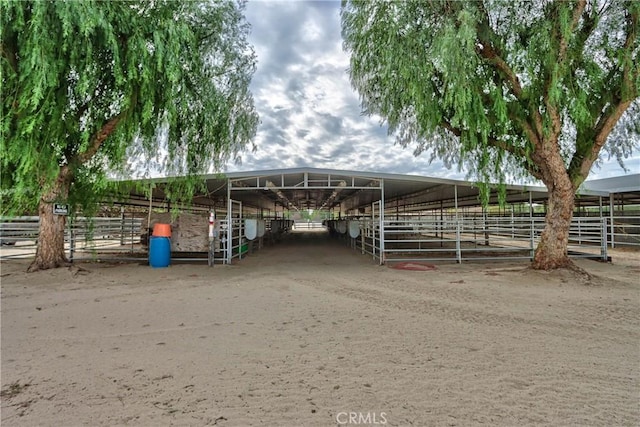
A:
310,116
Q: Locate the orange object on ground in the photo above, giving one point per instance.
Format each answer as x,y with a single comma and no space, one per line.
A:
162,230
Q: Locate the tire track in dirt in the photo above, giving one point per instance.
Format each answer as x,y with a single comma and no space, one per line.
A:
455,307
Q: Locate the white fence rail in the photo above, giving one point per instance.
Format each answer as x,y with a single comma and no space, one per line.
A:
419,238
406,238
624,231
84,237
304,225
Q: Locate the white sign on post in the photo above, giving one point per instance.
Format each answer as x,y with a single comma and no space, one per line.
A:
60,209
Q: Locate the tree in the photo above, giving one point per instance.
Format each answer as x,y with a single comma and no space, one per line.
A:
520,87
87,85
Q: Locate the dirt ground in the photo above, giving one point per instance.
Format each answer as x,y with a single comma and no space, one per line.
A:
313,333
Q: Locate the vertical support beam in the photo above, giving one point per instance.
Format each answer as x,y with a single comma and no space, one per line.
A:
134,231
212,235
603,238
485,228
513,230
229,225
458,249
375,236
149,215
122,218
532,230
72,238
600,205
441,226
240,230
382,254
613,240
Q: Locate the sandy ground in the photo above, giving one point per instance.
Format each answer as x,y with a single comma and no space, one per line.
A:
312,333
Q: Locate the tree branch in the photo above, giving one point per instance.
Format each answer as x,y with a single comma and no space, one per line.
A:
553,78
630,70
564,42
532,167
604,127
10,54
487,50
492,54
104,132
81,110
98,138
517,152
588,25
582,162
9,51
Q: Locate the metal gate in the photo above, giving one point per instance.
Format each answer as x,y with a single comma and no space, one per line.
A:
232,232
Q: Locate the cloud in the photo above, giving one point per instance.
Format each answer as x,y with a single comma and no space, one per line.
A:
310,115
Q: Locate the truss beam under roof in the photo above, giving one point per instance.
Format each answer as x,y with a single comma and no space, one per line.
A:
351,191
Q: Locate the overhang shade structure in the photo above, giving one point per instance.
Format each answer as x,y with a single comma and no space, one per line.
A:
389,216
350,192
306,190
403,215
621,190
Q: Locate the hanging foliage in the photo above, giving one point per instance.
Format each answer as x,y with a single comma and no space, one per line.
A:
504,88
87,86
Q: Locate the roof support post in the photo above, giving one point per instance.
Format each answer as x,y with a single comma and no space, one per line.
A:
532,229
600,205
240,231
458,250
613,240
603,236
382,254
441,224
229,225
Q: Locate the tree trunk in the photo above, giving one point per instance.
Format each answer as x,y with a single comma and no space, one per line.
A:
552,250
50,251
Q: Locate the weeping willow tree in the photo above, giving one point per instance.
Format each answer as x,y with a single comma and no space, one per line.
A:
525,88
88,84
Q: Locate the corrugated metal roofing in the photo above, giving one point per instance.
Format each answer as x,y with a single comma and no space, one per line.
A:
313,188
616,184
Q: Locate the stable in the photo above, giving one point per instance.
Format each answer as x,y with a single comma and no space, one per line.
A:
390,217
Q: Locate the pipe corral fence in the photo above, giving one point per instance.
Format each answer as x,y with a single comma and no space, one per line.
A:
472,238
389,217
435,236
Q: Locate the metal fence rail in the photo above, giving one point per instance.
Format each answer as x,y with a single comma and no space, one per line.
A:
624,231
303,225
18,236
447,239
475,237
433,238
88,237
85,238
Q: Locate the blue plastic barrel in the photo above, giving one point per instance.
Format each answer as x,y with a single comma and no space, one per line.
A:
159,251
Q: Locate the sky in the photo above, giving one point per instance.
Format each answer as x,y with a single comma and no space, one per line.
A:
310,116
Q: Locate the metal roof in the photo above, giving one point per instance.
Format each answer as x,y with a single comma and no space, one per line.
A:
616,184
312,188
